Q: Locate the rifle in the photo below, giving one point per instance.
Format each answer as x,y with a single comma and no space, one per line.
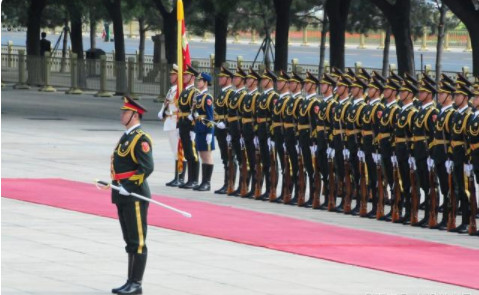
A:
231,170
258,175
331,184
363,209
433,196
414,197
317,184
380,204
273,174
451,218
301,179
286,179
473,201
347,173
244,171
397,193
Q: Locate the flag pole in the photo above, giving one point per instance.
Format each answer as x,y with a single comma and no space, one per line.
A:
180,19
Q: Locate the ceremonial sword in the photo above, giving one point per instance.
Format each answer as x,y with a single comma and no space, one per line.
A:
117,188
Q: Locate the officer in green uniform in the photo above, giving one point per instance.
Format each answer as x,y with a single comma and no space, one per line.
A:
442,144
186,126
131,164
264,112
221,110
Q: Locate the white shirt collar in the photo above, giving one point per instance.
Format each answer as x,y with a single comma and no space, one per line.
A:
406,106
173,87
131,128
463,109
426,105
310,95
327,98
476,113
357,100
189,86
239,89
204,90
296,94
374,101
226,88
283,94
446,108
253,91
390,103
341,101
268,90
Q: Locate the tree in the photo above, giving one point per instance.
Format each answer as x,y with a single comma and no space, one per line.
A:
282,8
398,15
468,12
337,11
35,10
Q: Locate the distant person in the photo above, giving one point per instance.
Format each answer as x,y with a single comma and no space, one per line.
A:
45,45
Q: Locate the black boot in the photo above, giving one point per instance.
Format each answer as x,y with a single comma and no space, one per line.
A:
130,271
193,171
138,268
181,177
222,190
309,203
207,170
324,205
357,197
267,181
175,181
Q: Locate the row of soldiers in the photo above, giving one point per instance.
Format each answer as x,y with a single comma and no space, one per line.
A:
362,134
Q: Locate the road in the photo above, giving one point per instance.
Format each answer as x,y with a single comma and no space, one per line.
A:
371,57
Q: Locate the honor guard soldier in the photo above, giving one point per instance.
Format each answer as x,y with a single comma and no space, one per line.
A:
459,152
131,164
403,146
307,120
339,139
277,125
186,126
204,129
168,113
290,118
324,136
353,135
264,112
248,118
473,132
234,123
423,137
442,150
415,82
221,111
385,137
369,131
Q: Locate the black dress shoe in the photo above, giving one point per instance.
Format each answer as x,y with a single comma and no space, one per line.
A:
440,226
355,211
221,191
293,201
386,217
116,290
462,229
371,214
131,289
422,206
400,220
279,199
421,223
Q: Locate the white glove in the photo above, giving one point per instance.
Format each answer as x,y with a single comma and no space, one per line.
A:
449,166
160,115
192,135
361,156
242,142
123,191
271,144
297,149
412,163
221,125
430,163
209,138
346,154
190,117
284,146
228,138
331,153
256,142
394,160
195,114
313,149
468,169
377,158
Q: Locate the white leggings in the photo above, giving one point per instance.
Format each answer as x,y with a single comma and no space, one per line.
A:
173,139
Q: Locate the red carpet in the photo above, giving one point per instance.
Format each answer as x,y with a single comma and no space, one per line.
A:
433,261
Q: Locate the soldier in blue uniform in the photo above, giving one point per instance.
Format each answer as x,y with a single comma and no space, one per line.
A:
221,111
131,164
204,129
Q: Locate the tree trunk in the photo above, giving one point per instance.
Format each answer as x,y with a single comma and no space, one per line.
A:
114,10
440,40
64,47
141,49
282,8
221,32
322,46
92,33
398,15
34,62
387,45
77,41
468,14
337,11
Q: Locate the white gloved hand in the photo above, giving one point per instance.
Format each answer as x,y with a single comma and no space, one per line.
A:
375,158
328,151
241,142
271,144
361,156
346,154
449,166
221,125
298,149
228,138
256,142
313,149
468,169
333,153
394,160
160,115
195,115
209,138
412,163
284,146
192,135
123,191
430,163
190,117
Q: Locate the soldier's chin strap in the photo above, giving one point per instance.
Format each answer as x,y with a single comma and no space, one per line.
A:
131,117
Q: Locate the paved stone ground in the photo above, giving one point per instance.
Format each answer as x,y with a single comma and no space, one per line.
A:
53,251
